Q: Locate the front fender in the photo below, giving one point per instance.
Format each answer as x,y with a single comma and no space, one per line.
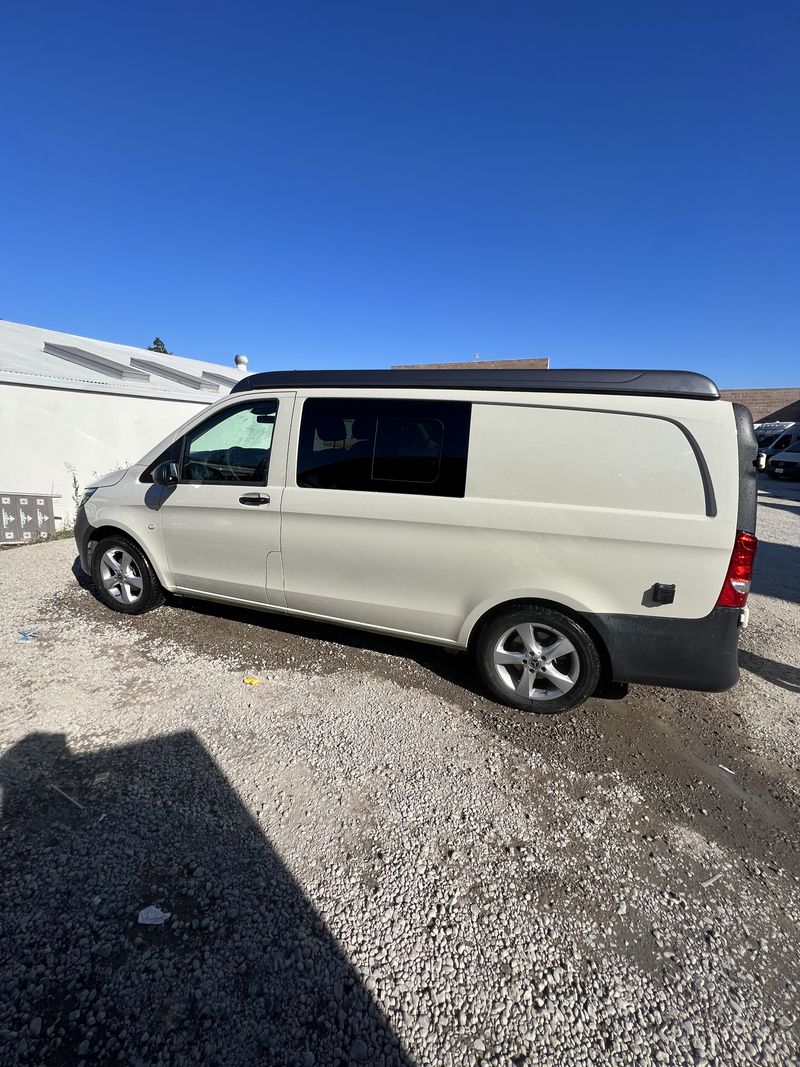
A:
150,541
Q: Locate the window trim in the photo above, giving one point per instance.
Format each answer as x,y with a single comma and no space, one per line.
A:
209,423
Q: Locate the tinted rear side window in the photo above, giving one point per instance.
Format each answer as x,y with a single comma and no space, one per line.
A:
384,446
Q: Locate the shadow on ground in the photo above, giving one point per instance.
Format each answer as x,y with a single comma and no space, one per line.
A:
662,741
782,674
793,509
245,972
268,640
777,571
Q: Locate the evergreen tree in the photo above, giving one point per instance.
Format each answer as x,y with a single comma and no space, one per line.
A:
159,346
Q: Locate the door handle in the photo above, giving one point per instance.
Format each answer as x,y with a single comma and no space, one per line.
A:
254,499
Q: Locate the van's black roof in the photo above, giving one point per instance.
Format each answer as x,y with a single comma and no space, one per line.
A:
675,383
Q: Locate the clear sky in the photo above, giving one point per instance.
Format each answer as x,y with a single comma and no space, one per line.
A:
359,183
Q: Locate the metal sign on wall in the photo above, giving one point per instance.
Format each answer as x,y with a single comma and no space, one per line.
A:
26,517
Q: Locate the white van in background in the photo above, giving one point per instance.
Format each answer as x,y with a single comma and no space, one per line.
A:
570,528
772,444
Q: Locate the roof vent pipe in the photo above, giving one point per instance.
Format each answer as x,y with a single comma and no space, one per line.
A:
241,362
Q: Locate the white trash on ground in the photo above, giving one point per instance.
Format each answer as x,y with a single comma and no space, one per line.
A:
153,916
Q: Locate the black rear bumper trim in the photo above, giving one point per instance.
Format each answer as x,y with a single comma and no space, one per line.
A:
696,654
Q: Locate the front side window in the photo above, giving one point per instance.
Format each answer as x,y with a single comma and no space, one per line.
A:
233,446
384,446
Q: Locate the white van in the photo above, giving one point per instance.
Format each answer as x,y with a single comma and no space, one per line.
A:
768,433
572,529
781,442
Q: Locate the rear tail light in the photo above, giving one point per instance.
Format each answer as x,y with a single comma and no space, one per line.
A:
740,572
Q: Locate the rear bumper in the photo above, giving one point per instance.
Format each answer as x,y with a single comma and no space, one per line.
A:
83,533
679,653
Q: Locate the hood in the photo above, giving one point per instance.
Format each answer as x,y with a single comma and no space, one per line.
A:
109,479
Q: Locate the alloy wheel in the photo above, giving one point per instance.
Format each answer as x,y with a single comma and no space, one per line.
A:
120,575
536,661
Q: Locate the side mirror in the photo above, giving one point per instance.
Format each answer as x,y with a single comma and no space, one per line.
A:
761,461
166,474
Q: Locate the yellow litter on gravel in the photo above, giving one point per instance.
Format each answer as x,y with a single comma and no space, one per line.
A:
250,680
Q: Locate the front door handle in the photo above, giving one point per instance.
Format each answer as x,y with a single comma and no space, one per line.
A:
254,499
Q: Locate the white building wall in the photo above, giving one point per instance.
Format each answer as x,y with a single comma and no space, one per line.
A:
44,429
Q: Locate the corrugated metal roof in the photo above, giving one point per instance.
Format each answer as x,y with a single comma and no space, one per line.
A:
50,359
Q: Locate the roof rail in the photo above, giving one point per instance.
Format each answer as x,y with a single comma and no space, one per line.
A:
670,383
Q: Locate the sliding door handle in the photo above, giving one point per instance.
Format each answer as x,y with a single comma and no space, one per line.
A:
254,499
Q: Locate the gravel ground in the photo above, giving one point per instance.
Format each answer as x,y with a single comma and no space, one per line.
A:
366,861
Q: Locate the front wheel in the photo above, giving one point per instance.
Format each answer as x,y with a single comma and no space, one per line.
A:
536,659
123,577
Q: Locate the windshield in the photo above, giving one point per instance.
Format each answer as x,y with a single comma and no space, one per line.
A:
781,444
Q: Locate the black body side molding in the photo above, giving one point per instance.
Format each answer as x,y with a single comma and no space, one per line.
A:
748,475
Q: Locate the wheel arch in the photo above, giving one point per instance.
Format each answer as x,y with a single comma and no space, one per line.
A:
583,620
99,533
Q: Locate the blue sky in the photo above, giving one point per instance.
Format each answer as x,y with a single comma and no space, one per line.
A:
356,184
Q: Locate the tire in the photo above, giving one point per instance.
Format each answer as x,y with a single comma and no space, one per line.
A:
506,644
141,591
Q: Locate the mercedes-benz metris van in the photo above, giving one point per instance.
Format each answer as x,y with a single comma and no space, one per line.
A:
571,529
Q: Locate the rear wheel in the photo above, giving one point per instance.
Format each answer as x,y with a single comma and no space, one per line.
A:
537,659
123,577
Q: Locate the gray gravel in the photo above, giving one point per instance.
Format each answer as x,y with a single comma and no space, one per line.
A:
366,861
